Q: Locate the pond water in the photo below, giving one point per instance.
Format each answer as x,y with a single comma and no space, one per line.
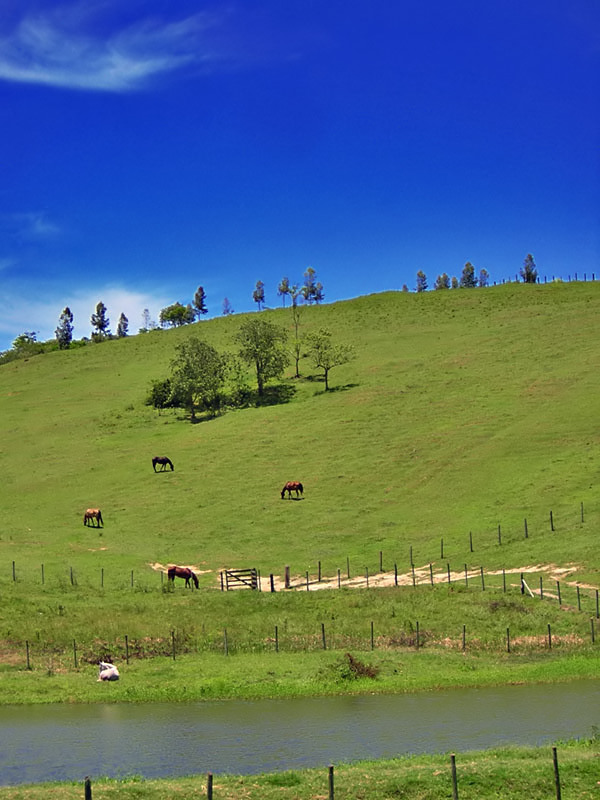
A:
68,742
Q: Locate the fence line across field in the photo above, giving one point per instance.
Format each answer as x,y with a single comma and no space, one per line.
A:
453,781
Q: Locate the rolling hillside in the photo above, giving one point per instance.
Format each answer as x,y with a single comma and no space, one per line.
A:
463,410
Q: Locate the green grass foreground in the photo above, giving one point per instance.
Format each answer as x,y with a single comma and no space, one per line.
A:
510,773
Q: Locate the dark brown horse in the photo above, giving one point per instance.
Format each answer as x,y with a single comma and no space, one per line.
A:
91,515
292,486
163,462
182,572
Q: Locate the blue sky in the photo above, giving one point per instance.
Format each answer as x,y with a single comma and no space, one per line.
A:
152,147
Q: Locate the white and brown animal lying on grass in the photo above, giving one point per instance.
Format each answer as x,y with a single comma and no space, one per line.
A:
108,672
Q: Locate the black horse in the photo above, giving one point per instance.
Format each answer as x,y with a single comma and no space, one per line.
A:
163,462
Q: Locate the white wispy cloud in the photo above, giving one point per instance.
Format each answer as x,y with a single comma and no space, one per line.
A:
56,49
21,312
29,225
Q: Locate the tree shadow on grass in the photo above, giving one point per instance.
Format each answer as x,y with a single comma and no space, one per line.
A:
275,395
332,389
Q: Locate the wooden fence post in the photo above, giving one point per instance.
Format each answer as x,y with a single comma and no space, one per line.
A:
448,566
276,639
367,576
102,578
381,561
556,775
72,578
412,563
307,586
372,635
578,599
417,637
526,531
549,637
331,793
541,587
42,574
464,638
88,789
503,579
466,576
29,665
558,590
75,653
339,578
126,649
431,573
14,571
499,535
323,636
319,571
272,581
209,786
348,566
287,578
414,578
442,549
593,632
395,574
582,512
482,580
132,578
173,644
225,642
471,540
454,778
597,604
551,521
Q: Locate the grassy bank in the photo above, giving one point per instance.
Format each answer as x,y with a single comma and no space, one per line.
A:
511,773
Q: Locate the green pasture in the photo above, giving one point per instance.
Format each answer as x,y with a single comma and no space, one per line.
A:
508,772
466,415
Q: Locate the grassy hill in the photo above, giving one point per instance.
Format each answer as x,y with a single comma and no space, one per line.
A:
463,410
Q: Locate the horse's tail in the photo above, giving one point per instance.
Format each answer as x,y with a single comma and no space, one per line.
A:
170,463
100,520
195,579
301,488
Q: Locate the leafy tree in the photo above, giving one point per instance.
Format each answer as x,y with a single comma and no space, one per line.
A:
27,343
100,322
161,394
200,302
64,332
326,355
454,282
484,278
442,282
227,307
528,270
197,378
283,289
468,279
177,315
405,288
312,292
262,345
122,326
421,281
258,295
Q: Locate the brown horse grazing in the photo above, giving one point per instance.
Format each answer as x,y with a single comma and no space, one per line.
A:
92,514
163,461
182,572
292,486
